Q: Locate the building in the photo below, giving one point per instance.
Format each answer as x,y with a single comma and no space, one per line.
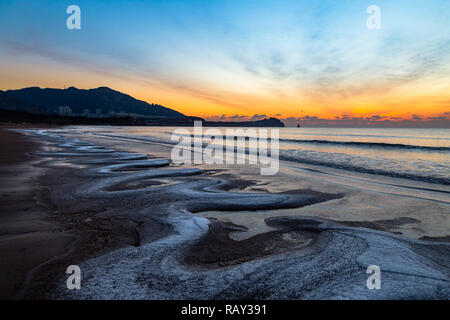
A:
65,110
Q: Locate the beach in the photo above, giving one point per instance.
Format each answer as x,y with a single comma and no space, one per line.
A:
28,240
141,227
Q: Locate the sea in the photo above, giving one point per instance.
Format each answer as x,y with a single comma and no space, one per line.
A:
416,154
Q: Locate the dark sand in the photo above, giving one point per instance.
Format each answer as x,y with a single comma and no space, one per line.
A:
217,249
27,238
47,228
40,237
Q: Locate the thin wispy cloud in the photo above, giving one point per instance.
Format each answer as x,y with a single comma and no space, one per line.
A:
244,58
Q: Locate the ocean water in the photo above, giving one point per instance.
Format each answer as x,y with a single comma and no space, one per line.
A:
417,154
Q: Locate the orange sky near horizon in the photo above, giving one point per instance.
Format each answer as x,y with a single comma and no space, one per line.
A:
403,101
240,59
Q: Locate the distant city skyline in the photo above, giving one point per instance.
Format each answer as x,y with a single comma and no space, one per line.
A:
313,63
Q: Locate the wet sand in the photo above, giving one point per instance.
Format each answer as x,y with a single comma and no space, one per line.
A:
142,228
27,238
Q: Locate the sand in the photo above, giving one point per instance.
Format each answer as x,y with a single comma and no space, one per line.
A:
27,240
140,227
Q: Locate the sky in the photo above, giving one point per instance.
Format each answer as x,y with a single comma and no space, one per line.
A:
308,62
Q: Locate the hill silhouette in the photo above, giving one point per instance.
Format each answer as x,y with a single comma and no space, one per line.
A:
38,100
37,105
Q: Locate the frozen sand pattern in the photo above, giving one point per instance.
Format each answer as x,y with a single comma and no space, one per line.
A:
119,156
332,265
134,165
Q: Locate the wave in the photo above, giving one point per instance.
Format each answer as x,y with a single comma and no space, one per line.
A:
337,160
373,136
378,145
366,169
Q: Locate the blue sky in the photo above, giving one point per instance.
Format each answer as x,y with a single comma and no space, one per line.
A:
238,57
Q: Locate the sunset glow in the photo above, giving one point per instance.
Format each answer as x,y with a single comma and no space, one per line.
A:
232,60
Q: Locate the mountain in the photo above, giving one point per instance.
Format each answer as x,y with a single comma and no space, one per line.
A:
38,105
37,100
8,102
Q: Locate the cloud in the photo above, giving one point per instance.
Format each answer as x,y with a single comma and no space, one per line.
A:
372,121
237,117
257,117
436,118
243,57
376,117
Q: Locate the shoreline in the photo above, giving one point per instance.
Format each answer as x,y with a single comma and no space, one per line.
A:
107,226
28,239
